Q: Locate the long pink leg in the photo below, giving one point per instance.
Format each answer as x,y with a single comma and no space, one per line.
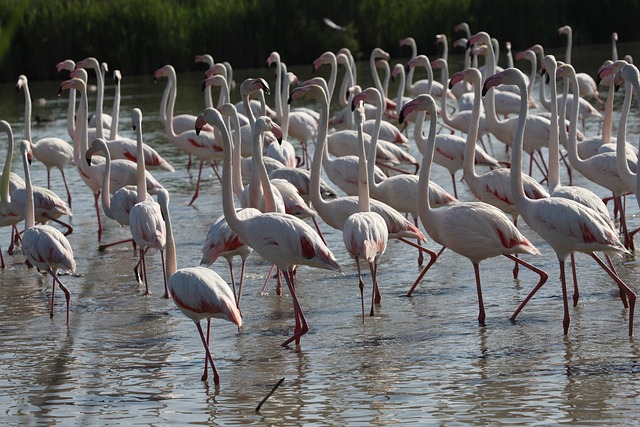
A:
374,278
424,271
195,195
563,282
302,326
631,296
164,276
206,360
543,279
481,314
216,377
64,179
96,197
361,287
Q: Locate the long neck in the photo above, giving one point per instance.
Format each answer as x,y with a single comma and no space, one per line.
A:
106,177
27,112
424,207
444,78
401,88
567,55
546,102
6,170
554,136
333,76
170,249
99,101
532,75
468,163
238,186
115,113
371,159
168,124
347,82
621,155
82,128
316,167
223,97
374,73
572,141
490,100
517,189
418,135
414,53
286,109
248,111
363,174
141,181
278,89
228,205
71,115
267,190
29,215
608,115
163,102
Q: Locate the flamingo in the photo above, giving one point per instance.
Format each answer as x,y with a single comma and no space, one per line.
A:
69,65
123,171
365,233
601,168
281,239
400,191
579,194
475,230
100,119
9,214
567,226
420,86
45,247
51,151
203,146
588,86
198,292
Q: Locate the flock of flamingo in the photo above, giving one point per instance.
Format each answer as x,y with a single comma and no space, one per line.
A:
279,187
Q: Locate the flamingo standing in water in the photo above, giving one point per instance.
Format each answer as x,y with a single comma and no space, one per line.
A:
566,225
365,233
475,230
9,214
281,239
199,292
45,247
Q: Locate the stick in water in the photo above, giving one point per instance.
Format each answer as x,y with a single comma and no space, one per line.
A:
269,394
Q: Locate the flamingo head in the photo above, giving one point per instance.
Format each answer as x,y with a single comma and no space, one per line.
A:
97,144
438,64
89,62
566,30
510,76
215,80
117,75
216,69
397,69
67,64
74,83
463,26
461,42
479,38
251,86
162,72
136,118
379,53
608,68
209,116
369,94
468,75
25,146
548,66
206,58
407,41
420,60
274,58
22,82
265,123
358,114
312,91
423,102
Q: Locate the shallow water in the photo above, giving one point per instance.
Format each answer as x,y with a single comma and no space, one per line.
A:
130,359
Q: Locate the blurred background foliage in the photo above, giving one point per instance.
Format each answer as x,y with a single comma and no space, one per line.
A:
139,35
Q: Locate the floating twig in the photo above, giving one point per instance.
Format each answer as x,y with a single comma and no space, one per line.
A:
269,394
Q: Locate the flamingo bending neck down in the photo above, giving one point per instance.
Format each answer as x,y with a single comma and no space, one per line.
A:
45,247
281,239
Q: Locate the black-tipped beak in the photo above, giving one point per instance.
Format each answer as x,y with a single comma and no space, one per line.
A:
598,80
468,45
289,99
548,79
198,130
484,90
617,86
88,159
401,116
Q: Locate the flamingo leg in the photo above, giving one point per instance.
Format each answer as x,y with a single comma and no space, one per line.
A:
565,303
233,282
481,313
143,268
242,271
96,196
543,279
66,187
631,296
67,294
205,375
421,248
48,178
420,255
214,166
424,271
69,227
164,276
53,296
361,286
374,277
195,195
318,230
2,263
574,274
105,246
455,189
264,287
301,322
216,377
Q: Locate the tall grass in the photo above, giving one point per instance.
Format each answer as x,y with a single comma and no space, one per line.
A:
139,35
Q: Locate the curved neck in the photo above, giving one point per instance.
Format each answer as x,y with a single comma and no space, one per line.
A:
29,215
170,249
374,73
82,128
363,174
71,116
141,181
490,100
567,55
6,170
164,101
554,136
444,78
238,186
468,162
278,89
168,124
414,53
424,207
517,189
621,154
228,205
608,115
27,112
333,76
106,177
115,113
286,109
546,102
572,141
373,143
401,88
347,82
258,165
316,167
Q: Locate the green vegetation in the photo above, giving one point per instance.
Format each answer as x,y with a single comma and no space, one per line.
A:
140,35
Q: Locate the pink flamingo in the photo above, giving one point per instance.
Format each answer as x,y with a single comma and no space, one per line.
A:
365,233
281,239
567,226
9,214
475,230
198,292
45,247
